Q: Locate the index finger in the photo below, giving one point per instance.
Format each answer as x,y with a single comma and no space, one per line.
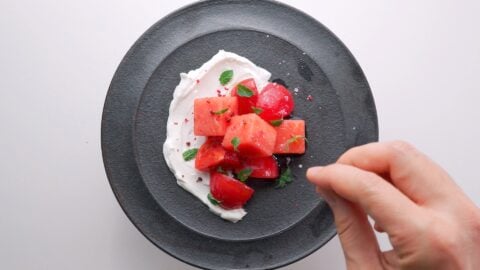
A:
391,209
409,170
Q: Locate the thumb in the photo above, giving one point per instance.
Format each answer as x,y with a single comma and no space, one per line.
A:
358,240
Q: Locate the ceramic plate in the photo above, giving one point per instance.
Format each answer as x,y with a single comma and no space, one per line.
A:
282,225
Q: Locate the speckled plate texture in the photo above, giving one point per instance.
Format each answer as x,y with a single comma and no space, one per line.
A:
331,94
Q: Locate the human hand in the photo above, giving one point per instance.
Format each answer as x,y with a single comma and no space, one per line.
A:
430,222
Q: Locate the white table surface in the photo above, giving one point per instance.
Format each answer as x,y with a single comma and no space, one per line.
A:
422,59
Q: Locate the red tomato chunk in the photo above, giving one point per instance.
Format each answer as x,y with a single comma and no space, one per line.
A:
275,101
211,155
245,104
230,192
264,167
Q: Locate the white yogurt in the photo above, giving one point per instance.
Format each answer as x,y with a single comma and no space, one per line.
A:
203,82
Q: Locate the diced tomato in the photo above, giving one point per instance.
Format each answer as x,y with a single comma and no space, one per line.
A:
230,192
212,154
290,137
275,101
245,104
212,115
230,160
264,167
255,137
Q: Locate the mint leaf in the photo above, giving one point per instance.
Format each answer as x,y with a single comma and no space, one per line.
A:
257,110
284,179
276,123
235,142
226,77
244,91
222,111
212,199
244,174
190,154
294,139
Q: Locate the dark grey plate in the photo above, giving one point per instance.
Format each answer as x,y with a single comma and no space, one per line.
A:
282,225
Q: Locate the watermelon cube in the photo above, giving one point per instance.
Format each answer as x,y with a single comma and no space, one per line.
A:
252,136
290,137
212,115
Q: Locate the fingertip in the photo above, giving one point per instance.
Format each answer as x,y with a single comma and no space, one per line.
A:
312,173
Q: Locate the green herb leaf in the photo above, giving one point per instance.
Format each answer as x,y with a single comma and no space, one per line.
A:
257,110
235,142
244,174
212,199
277,122
244,91
226,77
284,179
294,139
222,111
190,154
